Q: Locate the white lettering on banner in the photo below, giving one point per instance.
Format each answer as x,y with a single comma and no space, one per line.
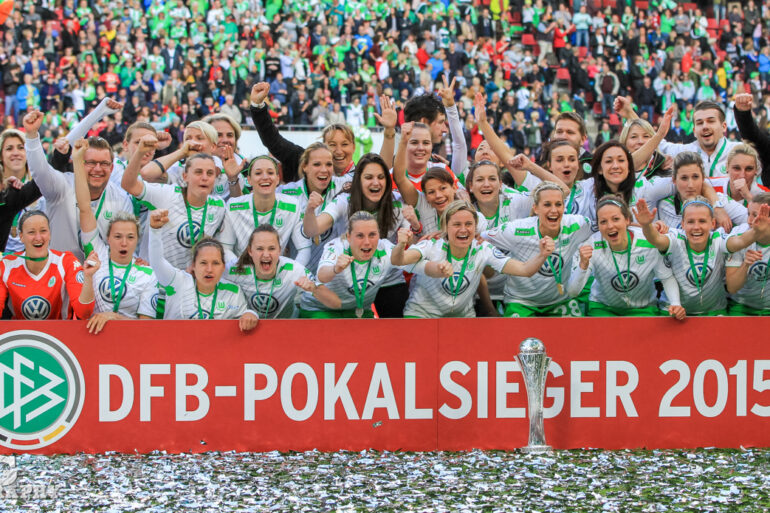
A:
482,386
312,391
578,387
622,392
183,391
127,402
380,380
338,390
503,387
466,401
146,390
555,393
411,411
739,370
251,394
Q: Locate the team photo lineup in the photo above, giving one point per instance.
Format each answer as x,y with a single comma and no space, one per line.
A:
486,198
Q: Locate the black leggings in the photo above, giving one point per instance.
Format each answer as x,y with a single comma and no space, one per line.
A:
390,301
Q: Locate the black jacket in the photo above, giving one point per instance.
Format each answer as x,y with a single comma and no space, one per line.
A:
284,150
750,132
12,201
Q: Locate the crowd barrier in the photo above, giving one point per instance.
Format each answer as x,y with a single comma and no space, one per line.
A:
447,384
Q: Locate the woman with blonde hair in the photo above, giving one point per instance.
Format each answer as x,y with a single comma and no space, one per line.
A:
635,133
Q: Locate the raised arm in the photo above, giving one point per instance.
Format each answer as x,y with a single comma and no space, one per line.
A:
459,147
130,180
751,132
284,150
644,153
388,119
106,107
498,146
312,224
322,293
82,194
51,183
531,266
156,170
579,277
399,256
760,229
405,187
163,269
521,161
645,219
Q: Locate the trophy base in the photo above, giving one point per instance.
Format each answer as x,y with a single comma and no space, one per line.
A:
536,449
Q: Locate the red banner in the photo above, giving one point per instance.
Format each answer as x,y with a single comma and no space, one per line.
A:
446,384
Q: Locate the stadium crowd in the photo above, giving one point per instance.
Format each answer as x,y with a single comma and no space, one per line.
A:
126,194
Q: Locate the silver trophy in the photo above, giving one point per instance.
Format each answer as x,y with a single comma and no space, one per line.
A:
534,366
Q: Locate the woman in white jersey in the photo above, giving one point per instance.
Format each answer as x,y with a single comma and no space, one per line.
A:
354,267
748,270
371,191
689,179
452,266
635,133
270,281
200,294
193,210
316,169
123,289
698,254
201,138
264,206
624,266
543,294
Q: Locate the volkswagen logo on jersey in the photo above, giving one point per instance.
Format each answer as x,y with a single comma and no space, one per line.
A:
449,284
574,208
106,292
36,308
205,314
264,304
154,301
499,253
369,286
183,233
667,261
629,278
551,264
699,270
759,271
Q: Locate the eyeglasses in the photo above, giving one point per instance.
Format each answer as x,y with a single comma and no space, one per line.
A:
100,163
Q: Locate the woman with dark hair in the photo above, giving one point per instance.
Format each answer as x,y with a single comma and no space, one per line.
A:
371,191
17,191
270,281
199,294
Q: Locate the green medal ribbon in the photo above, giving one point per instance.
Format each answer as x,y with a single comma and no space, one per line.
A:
699,280
190,225
556,272
33,259
360,292
459,281
716,159
213,302
623,283
256,214
272,286
571,199
117,299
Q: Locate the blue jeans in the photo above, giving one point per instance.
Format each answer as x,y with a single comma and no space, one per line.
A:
649,109
607,104
12,107
581,37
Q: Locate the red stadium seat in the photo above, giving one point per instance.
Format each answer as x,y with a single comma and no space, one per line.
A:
713,34
528,39
582,52
712,22
642,5
516,17
721,55
614,119
610,3
597,110
689,6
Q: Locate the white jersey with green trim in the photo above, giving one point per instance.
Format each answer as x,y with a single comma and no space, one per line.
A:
342,283
578,201
182,300
429,217
221,188
338,210
521,240
632,283
298,191
176,234
756,291
271,299
722,185
139,295
652,191
511,206
240,222
712,295
453,296
668,214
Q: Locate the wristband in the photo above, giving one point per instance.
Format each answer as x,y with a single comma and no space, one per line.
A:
161,166
258,105
389,136
232,182
416,231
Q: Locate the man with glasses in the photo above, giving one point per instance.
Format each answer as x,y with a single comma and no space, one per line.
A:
58,189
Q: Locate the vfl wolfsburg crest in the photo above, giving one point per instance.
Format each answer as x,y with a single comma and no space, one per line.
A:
629,278
264,303
758,271
41,389
183,233
278,222
35,308
106,293
449,284
699,270
553,263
